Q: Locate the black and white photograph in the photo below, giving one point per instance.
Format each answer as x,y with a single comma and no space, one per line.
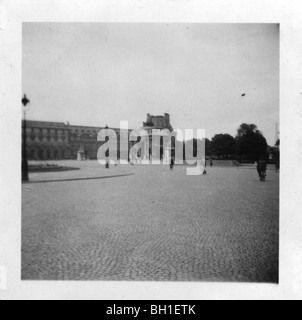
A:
83,220
150,151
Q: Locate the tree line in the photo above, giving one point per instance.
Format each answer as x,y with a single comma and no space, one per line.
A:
248,145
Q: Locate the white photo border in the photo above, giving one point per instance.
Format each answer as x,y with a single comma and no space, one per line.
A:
287,13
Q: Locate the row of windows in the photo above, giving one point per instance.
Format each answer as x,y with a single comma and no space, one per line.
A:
49,138
95,132
88,131
57,131
48,131
77,135
65,132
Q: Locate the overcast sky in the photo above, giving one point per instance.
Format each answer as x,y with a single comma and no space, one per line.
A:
98,74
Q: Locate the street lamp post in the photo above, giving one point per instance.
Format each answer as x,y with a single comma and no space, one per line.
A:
25,102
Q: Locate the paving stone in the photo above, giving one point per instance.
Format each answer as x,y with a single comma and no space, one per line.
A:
156,225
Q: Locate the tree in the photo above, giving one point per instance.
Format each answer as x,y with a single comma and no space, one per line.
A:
208,147
277,143
195,144
194,147
224,145
251,143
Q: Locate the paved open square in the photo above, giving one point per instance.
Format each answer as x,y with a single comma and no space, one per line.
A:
154,225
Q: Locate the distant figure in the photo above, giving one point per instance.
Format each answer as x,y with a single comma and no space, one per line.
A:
211,163
172,164
205,170
277,164
107,164
261,169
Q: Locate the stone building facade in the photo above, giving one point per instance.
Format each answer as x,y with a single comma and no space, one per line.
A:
59,141
158,122
161,150
47,141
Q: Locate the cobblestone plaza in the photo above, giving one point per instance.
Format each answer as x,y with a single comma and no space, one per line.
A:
155,225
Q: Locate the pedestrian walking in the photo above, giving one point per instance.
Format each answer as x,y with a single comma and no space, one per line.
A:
277,164
261,169
172,164
205,170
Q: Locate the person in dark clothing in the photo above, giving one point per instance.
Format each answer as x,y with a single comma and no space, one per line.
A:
261,169
211,163
277,164
172,164
205,168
